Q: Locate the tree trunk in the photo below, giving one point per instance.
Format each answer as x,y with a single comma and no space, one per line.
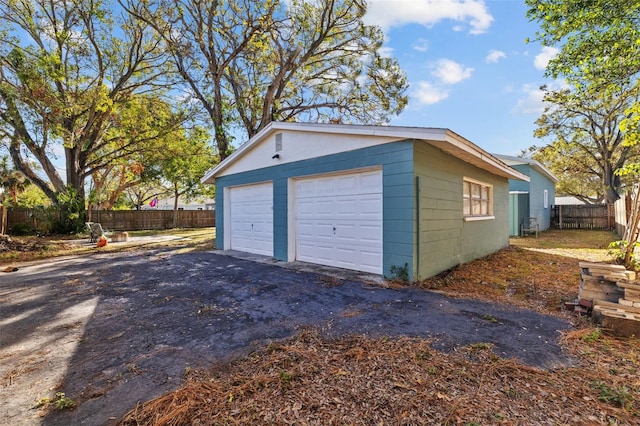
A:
633,228
611,185
176,195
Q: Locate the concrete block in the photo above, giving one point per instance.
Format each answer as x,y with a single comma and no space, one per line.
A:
621,324
603,304
632,295
607,266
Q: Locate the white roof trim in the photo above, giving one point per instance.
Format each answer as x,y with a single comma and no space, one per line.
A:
443,139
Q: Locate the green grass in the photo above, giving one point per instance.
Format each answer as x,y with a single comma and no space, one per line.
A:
32,248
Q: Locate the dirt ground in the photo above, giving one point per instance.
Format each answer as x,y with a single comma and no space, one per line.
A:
106,331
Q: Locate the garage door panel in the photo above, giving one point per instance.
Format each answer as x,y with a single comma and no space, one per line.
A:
251,217
339,220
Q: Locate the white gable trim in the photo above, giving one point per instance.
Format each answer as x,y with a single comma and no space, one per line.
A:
443,139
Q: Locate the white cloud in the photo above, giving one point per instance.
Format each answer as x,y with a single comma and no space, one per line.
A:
427,94
532,100
472,14
451,72
386,52
542,59
421,45
494,56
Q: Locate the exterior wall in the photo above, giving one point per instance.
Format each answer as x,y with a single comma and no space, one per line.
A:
439,240
536,187
396,161
444,238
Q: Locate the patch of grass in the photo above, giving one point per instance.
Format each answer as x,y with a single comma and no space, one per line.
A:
568,239
59,402
593,336
490,318
197,239
618,395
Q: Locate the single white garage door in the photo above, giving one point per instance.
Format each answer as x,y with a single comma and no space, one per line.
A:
339,220
251,213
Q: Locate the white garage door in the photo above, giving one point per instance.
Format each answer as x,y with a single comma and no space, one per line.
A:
251,213
339,220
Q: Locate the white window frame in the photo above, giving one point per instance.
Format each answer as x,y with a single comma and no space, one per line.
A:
479,196
546,199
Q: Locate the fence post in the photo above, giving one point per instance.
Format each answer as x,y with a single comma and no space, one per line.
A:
3,219
560,216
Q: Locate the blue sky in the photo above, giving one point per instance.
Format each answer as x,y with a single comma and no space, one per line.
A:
469,67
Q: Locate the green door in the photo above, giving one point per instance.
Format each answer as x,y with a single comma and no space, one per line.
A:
518,210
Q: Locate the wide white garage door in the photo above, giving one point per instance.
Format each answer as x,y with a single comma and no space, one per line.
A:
339,220
251,218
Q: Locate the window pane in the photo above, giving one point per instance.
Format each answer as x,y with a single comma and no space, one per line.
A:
476,207
475,190
476,199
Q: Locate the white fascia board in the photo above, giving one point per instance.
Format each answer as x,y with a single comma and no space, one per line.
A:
441,138
466,150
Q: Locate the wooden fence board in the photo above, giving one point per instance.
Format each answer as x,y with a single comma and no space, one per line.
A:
128,220
592,216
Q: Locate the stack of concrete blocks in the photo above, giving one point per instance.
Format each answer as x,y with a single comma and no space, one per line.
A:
614,296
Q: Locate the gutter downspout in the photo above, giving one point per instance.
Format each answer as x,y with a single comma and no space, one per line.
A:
417,227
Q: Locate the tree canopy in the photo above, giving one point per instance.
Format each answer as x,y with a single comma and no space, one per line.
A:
599,40
592,121
104,85
588,146
68,73
249,63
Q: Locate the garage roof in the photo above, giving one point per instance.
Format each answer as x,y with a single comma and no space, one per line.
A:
443,139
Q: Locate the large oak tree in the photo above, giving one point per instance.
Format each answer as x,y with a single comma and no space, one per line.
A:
69,70
598,45
587,146
249,63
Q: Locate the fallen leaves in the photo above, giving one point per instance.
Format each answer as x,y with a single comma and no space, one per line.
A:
399,381
357,380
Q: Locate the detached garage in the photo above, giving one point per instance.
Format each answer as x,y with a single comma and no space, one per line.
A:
368,198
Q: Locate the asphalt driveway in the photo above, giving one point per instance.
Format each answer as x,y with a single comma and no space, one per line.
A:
114,329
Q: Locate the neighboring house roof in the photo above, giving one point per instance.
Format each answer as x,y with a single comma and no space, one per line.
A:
443,139
568,200
539,167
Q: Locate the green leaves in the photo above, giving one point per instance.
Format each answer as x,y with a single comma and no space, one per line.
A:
600,58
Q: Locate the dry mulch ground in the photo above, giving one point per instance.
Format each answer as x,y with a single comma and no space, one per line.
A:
403,381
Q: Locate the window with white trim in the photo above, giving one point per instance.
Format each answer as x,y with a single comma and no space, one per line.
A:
477,198
546,199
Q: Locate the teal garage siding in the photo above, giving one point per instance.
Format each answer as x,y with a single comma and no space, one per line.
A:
444,238
396,161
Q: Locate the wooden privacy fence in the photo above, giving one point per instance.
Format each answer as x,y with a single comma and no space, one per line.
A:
592,216
126,220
